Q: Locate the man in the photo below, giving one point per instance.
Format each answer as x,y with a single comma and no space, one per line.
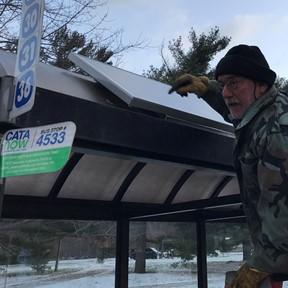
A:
244,94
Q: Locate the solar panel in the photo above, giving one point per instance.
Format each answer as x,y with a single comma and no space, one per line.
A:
141,92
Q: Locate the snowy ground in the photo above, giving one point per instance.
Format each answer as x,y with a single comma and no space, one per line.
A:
88,273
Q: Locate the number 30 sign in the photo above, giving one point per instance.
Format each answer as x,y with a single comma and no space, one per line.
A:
27,56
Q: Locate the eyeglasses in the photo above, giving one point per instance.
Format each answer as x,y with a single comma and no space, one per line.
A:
232,84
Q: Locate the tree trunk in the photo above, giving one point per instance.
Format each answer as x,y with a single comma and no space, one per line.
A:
57,256
140,246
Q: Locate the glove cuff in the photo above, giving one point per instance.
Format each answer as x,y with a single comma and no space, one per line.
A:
248,277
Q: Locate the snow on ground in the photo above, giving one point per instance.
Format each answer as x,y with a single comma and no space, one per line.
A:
88,273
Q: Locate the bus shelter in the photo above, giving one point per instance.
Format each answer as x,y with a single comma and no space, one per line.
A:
139,154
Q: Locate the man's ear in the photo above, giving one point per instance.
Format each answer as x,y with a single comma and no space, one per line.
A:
262,88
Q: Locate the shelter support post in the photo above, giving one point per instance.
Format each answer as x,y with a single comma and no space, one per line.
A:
201,254
6,97
2,191
122,254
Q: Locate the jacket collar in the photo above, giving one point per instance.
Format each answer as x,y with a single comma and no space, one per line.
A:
257,106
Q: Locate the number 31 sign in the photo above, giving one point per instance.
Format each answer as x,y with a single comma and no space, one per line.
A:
27,56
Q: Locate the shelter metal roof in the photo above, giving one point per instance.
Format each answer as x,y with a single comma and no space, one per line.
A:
141,92
125,161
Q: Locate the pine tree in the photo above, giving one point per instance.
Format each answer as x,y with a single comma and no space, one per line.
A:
65,41
196,60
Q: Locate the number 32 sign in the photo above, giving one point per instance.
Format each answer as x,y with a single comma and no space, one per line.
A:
27,56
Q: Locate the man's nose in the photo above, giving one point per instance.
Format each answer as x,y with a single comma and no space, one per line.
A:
226,93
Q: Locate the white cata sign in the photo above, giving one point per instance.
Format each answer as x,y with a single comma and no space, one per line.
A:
35,150
27,56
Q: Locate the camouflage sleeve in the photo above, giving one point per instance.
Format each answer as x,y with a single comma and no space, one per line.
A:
214,99
271,251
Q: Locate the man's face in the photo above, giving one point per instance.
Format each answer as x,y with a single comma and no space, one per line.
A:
238,93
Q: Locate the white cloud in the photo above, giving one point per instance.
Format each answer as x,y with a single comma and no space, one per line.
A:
244,27
267,31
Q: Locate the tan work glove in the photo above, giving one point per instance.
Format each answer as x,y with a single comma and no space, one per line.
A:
248,277
188,83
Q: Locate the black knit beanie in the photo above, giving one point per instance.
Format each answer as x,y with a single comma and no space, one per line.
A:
247,61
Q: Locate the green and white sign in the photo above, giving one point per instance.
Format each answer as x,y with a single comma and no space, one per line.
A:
36,150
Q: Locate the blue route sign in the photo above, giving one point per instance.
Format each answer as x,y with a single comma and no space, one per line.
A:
27,56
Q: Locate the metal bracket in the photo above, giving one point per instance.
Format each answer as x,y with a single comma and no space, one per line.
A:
6,97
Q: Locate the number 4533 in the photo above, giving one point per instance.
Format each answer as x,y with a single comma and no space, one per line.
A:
51,138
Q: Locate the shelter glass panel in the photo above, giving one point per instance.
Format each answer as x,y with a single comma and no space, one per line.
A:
162,253
41,253
228,245
22,185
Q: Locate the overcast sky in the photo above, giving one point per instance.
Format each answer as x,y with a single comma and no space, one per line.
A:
254,22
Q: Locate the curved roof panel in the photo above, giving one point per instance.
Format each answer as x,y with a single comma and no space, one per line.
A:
96,178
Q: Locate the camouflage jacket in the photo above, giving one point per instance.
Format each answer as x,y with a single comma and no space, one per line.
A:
261,163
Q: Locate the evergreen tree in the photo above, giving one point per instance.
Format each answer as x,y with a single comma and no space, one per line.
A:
36,242
196,60
224,237
282,84
65,41
185,244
